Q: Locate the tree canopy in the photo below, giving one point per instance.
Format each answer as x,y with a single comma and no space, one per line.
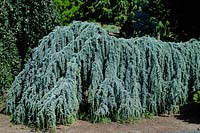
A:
168,20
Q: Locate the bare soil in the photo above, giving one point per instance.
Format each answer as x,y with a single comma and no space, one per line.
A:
158,124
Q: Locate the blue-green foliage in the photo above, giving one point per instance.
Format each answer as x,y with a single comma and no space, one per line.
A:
116,78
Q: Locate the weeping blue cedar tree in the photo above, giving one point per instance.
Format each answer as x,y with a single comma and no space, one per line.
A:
81,65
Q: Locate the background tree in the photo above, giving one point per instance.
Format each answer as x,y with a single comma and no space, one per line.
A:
149,18
184,19
68,10
30,21
106,11
9,56
135,17
170,20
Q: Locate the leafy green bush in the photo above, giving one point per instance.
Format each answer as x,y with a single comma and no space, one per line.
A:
196,97
80,68
67,10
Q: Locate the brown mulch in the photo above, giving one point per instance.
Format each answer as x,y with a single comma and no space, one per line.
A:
159,124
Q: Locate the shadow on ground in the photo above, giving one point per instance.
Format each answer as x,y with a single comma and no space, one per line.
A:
190,113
